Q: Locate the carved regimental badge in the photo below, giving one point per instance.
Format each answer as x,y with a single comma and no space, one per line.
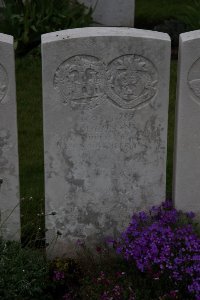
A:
132,80
80,80
194,79
3,82
128,81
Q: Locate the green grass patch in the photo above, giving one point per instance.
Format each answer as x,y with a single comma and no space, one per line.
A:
24,272
171,124
151,13
30,133
29,103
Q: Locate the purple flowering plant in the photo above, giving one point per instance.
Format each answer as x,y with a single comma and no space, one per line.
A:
156,257
64,274
164,245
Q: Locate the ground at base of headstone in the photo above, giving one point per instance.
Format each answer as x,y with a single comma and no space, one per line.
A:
155,258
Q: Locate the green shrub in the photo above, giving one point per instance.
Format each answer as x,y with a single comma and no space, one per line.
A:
24,272
65,276
26,20
191,15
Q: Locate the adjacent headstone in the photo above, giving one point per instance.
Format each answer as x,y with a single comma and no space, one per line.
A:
9,174
112,12
187,149
105,101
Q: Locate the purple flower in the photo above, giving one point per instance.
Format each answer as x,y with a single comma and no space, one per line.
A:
58,275
161,245
68,296
190,215
80,243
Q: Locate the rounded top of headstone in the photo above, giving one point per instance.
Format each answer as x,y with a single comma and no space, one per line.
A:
191,35
5,38
103,31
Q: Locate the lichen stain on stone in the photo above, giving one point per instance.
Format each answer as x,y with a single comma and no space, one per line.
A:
104,171
75,183
84,222
4,147
89,216
132,177
52,170
80,132
68,162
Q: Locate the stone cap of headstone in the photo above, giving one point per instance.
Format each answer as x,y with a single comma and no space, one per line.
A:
6,38
103,31
188,36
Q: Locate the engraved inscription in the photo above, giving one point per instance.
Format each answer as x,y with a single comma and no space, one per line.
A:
81,80
131,80
194,79
3,82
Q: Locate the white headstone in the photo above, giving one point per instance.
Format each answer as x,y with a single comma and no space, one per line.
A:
9,174
105,93
112,12
187,157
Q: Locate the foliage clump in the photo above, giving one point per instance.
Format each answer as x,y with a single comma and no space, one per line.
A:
164,245
23,272
26,20
157,257
65,275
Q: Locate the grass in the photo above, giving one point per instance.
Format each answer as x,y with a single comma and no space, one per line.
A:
29,101
30,134
151,13
171,124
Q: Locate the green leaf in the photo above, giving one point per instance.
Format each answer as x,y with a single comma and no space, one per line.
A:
33,28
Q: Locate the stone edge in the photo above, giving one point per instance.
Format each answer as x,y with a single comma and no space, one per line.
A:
188,36
5,38
103,31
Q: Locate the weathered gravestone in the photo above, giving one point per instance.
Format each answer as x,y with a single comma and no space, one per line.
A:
187,158
9,175
112,12
105,93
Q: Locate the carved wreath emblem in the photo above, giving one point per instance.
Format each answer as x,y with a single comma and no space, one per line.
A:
194,79
127,81
132,80
3,82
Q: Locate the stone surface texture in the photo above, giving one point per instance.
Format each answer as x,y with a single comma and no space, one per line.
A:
105,101
9,173
187,150
112,12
